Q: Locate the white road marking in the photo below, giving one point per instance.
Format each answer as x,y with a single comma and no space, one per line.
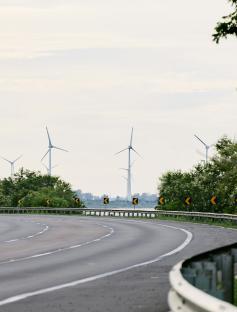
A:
46,228
60,249
103,275
12,240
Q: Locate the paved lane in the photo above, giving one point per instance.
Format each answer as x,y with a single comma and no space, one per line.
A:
89,251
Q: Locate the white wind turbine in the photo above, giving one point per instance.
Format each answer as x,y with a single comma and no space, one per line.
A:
49,151
12,163
129,184
205,145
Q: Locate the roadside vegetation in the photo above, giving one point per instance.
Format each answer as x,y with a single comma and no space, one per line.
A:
228,25
217,178
32,189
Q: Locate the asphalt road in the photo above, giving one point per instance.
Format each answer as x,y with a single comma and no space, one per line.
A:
63,263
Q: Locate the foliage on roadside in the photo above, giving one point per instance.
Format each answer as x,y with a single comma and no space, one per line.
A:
228,25
218,177
32,189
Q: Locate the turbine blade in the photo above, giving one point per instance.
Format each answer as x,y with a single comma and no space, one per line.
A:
50,143
6,159
200,153
200,140
44,166
136,152
131,137
59,148
123,169
17,159
45,155
121,151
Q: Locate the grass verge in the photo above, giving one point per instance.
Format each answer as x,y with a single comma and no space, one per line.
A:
227,224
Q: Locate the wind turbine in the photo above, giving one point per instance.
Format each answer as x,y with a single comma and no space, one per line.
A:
49,151
205,145
129,184
12,163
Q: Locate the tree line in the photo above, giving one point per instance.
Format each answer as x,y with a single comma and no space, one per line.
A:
32,189
217,177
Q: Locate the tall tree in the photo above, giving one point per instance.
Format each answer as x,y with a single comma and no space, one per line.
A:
32,189
218,177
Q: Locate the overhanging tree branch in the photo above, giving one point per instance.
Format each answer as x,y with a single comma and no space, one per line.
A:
228,26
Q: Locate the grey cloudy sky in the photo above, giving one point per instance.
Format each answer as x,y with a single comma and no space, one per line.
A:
91,70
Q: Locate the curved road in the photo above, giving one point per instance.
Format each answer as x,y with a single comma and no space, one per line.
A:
62,263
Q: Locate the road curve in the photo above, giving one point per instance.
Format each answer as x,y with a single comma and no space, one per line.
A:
61,263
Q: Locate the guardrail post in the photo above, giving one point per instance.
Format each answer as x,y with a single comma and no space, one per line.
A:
228,277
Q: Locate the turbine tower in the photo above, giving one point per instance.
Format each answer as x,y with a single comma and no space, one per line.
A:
205,145
129,184
12,163
49,151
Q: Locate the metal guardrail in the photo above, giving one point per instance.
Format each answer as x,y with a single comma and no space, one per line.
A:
205,283
147,213
81,211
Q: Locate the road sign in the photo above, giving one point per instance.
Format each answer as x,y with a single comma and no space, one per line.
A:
235,200
77,200
106,200
213,200
161,200
188,200
135,201
48,202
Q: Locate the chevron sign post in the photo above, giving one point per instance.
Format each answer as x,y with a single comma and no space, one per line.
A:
106,200
213,200
188,200
135,201
161,200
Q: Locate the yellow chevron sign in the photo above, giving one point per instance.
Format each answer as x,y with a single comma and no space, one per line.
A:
135,201
161,200
106,200
77,200
213,200
188,200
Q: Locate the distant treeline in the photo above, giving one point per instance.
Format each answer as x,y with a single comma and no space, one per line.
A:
217,178
32,189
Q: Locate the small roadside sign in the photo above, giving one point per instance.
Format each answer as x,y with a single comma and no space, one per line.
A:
161,200
106,200
213,200
188,200
77,200
235,199
135,201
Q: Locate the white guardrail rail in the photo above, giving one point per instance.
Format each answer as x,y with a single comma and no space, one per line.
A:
205,283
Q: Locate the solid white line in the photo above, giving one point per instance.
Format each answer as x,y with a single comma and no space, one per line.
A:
96,277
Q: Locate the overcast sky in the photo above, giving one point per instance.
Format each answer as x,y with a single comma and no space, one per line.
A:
90,70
